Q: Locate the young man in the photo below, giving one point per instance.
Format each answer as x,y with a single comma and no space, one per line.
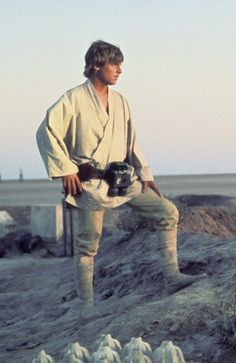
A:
88,140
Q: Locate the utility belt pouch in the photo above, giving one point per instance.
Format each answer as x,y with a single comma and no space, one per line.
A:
118,177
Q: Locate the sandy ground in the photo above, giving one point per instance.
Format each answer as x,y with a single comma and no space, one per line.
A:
39,307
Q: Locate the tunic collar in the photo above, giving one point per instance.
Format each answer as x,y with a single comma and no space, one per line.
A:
99,107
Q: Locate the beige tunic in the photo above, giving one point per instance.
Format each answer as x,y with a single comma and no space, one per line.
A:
78,129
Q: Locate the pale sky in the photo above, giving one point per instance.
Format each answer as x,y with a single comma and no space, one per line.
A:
179,76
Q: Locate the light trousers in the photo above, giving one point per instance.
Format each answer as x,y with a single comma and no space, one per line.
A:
149,205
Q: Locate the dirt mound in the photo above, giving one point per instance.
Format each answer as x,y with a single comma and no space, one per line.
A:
195,200
215,221
212,214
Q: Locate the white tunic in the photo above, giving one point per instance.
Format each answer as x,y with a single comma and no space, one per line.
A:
78,129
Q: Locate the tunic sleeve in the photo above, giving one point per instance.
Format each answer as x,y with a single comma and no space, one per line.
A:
135,155
51,136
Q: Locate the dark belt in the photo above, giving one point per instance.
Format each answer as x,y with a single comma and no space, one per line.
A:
88,171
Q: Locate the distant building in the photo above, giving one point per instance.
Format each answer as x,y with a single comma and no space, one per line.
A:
21,177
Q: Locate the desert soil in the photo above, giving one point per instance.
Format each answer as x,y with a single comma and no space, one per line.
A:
39,307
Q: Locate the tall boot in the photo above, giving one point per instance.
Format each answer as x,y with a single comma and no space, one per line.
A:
84,279
84,284
174,279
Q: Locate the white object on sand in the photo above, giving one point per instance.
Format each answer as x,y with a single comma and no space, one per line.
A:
168,353
137,357
75,353
7,223
106,340
105,355
71,359
137,344
42,357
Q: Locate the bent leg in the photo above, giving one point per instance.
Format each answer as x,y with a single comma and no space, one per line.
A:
150,205
166,215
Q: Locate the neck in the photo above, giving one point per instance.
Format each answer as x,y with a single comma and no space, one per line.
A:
100,87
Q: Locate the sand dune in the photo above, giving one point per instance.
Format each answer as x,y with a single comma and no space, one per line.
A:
39,308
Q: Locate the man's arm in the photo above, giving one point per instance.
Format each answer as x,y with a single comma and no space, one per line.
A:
136,159
51,140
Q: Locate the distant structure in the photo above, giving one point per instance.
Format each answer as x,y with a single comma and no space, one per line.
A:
21,177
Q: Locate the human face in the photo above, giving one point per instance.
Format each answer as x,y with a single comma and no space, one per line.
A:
108,74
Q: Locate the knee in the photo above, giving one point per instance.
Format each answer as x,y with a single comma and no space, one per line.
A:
88,235
174,213
86,243
171,215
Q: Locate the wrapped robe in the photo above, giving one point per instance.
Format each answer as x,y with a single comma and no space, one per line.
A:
78,129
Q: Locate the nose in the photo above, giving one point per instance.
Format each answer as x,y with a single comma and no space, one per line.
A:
119,70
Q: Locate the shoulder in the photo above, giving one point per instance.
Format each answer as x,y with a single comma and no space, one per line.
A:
70,97
75,91
118,95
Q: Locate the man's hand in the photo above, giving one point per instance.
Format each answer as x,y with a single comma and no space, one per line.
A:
72,184
151,184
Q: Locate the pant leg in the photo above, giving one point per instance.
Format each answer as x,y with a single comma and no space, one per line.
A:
88,230
150,205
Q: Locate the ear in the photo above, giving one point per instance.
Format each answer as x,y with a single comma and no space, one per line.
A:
96,68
